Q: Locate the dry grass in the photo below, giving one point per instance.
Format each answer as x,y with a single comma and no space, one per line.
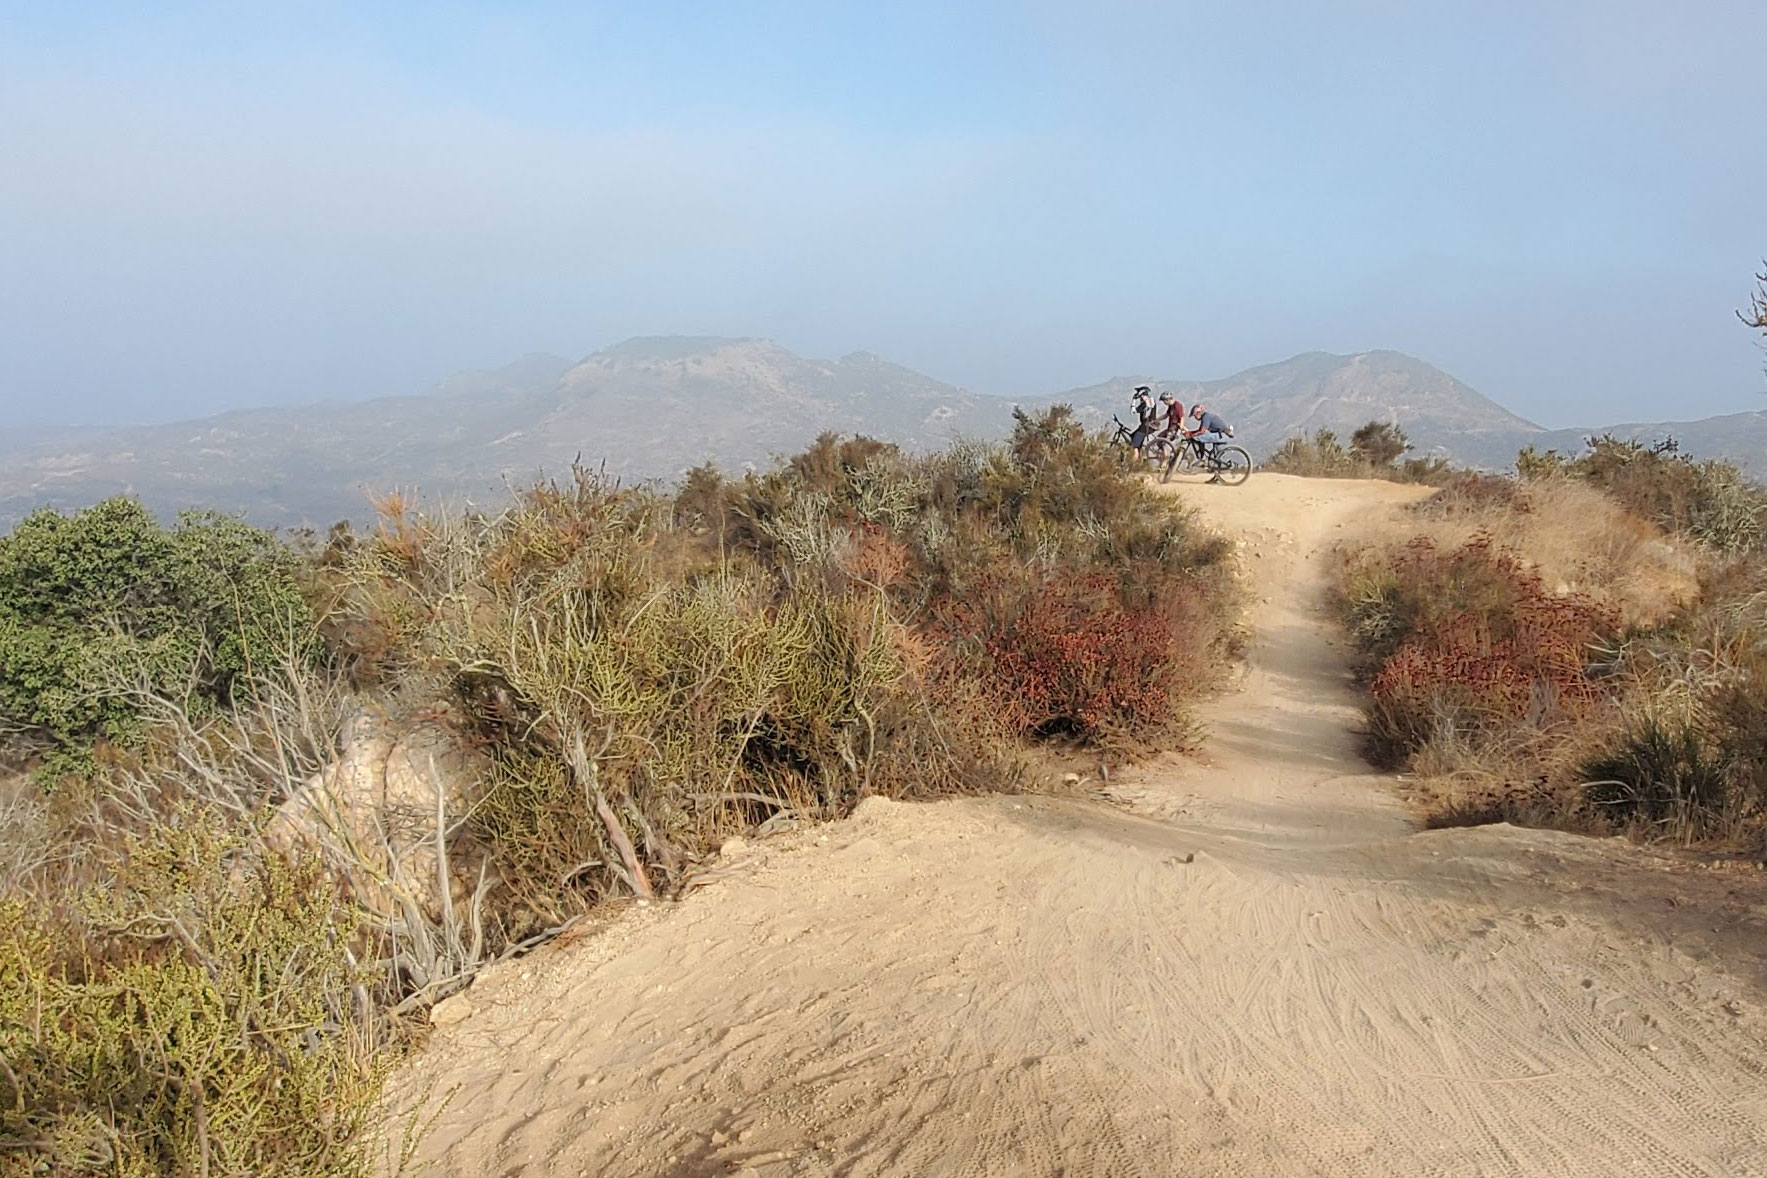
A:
1578,539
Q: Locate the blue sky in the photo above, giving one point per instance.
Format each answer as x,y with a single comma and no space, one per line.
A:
205,206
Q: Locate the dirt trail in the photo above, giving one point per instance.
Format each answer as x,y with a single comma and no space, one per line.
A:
1251,966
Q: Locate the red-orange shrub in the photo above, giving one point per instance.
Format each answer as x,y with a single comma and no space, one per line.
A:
1062,655
1482,644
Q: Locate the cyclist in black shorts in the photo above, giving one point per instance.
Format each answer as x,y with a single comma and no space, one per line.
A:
1147,418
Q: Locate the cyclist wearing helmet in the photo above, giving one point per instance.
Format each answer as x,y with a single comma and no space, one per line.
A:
1209,430
1145,416
1174,415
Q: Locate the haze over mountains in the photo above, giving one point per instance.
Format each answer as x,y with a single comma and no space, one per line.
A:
653,407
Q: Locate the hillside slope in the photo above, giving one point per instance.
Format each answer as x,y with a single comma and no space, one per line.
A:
1739,437
645,408
651,408
1251,964
1322,391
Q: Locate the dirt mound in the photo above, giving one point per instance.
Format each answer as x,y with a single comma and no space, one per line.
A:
1248,963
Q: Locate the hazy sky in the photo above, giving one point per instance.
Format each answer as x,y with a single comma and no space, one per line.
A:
212,205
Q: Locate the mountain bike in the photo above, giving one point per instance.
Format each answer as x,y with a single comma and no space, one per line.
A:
1156,451
1231,464
1122,435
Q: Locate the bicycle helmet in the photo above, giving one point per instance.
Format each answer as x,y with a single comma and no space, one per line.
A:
1196,410
1166,398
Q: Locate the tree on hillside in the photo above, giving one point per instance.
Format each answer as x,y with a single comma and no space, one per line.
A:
1379,443
1756,315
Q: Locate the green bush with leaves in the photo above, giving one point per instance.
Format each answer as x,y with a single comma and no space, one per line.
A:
104,600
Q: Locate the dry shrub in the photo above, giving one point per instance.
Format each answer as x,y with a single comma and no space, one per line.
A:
176,996
1686,758
1576,538
1475,493
1375,451
199,976
1540,653
649,675
1712,502
1061,655
1467,640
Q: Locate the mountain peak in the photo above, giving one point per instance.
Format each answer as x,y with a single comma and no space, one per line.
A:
666,349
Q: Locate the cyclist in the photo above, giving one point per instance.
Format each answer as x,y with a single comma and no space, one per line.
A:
1174,416
1209,430
1146,417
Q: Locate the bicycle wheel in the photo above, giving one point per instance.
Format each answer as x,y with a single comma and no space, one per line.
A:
1231,465
1158,452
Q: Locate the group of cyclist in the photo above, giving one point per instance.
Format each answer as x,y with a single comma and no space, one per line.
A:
1207,427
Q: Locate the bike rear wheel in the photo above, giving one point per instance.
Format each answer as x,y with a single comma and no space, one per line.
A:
1158,451
1231,465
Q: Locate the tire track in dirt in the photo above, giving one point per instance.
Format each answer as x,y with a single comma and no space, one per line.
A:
1251,965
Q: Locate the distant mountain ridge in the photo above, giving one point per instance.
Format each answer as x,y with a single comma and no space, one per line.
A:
652,407
1318,390
642,409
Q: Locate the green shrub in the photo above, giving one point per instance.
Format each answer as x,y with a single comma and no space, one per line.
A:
1374,452
194,1012
1379,443
1665,777
98,603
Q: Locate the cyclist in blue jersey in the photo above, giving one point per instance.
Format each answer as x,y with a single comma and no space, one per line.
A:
1208,430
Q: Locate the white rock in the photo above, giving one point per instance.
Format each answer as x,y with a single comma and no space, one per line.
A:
372,812
450,1010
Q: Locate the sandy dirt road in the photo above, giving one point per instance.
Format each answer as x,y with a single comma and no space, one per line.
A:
1251,963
